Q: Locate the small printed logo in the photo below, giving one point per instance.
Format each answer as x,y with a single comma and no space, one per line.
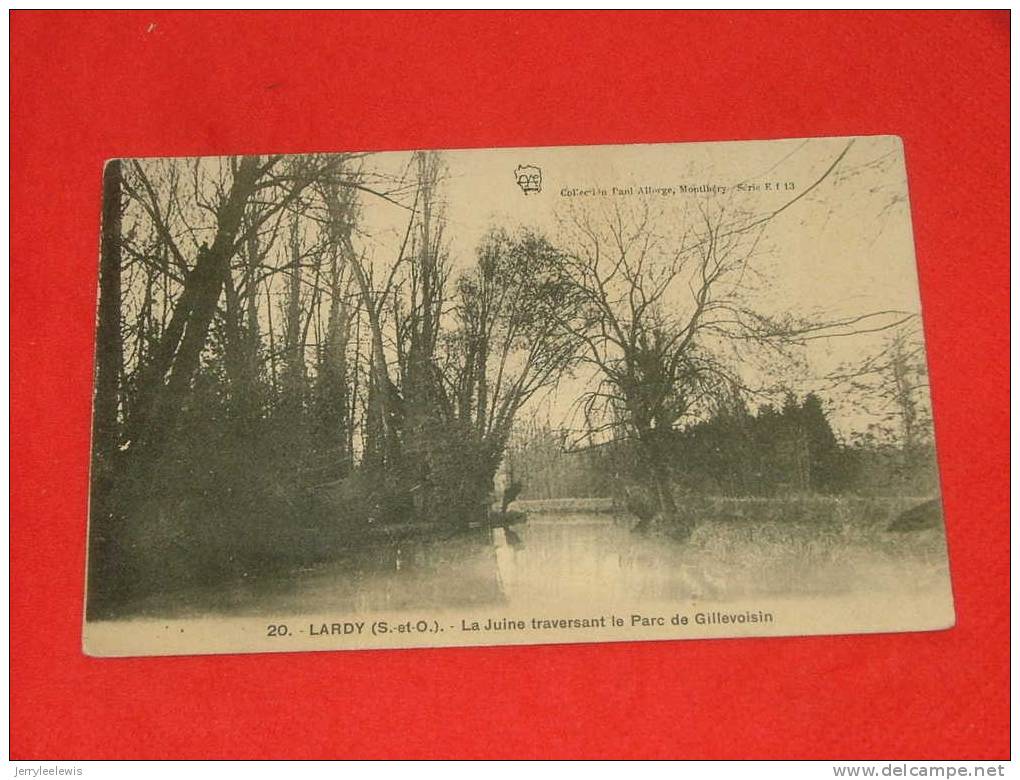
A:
529,178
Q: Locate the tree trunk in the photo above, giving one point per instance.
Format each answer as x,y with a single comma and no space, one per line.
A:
234,356
109,350
160,405
294,385
103,521
382,392
656,452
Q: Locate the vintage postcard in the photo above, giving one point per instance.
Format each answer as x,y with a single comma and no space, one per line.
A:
511,396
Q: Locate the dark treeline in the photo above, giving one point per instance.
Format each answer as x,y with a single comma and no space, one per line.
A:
783,450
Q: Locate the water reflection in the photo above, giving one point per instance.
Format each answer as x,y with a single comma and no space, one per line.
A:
595,559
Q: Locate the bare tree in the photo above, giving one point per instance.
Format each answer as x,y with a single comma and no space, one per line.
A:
165,378
667,319
508,345
890,388
335,393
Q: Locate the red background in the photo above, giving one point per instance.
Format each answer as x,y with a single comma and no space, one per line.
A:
89,86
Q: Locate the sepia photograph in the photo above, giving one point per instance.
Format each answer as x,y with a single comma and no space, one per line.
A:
510,396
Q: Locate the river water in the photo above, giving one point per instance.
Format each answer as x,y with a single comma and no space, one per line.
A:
574,559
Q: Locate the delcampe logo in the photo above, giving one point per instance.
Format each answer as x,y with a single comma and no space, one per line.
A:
529,178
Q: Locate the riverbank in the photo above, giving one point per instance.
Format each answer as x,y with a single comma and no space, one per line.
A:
696,508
